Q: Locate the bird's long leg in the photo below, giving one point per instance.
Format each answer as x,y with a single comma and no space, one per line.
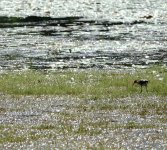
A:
146,89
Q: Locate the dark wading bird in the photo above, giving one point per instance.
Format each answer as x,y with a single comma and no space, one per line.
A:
141,83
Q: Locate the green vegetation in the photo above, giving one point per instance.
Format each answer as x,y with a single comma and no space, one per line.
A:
102,105
4,19
84,84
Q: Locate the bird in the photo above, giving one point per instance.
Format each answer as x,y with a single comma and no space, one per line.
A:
141,82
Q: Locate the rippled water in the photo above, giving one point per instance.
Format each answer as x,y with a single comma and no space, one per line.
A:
83,34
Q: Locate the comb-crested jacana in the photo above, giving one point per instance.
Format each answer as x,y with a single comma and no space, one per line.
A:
141,82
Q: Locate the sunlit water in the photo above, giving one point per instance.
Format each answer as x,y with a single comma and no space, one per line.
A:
101,34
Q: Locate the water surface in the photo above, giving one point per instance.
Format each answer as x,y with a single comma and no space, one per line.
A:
82,34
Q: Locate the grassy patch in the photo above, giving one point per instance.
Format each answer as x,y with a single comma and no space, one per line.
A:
44,127
9,134
17,134
12,139
85,84
134,125
2,109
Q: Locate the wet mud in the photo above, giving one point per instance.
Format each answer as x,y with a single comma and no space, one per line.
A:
74,42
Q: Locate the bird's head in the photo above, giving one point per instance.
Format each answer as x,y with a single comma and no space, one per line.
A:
135,81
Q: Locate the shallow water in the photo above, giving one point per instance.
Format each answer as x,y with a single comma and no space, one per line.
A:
83,34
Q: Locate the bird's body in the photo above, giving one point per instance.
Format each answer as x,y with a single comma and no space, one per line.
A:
142,83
